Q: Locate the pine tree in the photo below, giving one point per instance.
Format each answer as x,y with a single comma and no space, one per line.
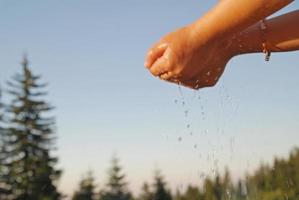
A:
32,173
193,193
209,190
86,189
227,186
4,188
116,188
160,191
146,193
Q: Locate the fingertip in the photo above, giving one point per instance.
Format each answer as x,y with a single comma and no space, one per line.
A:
162,46
154,54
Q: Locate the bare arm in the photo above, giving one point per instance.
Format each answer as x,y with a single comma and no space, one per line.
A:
282,34
231,16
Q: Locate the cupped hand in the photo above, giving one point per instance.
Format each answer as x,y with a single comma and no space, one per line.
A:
189,58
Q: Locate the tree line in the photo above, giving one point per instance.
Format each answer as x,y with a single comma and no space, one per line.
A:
28,167
279,181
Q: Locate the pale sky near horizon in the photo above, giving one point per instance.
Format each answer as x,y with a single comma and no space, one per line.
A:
92,52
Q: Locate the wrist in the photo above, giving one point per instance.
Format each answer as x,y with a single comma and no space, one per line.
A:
247,41
200,34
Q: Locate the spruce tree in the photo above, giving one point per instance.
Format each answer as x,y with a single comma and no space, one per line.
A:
146,193
86,188
160,191
32,172
209,189
193,193
4,188
116,188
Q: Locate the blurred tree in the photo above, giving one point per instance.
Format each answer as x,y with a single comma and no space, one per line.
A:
4,187
193,193
227,186
146,193
218,188
179,196
86,188
209,192
116,188
160,191
241,193
32,173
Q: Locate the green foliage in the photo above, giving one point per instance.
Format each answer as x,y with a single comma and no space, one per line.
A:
116,188
193,193
160,191
29,141
146,193
281,181
86,189
4,188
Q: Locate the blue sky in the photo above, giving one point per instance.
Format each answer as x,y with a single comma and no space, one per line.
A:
92,54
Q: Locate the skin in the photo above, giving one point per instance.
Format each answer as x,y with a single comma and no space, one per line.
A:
196,55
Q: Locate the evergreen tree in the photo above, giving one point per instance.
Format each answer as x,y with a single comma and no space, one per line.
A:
160,191
179,196
146,193
209,190
32,173
86,189
227,186
218,189
4,188
116,188
193,193
241,191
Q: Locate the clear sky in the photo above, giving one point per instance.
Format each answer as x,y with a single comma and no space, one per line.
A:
92,54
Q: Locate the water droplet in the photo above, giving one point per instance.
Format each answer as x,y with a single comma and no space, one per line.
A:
202,176
180,139
188,126
208,73
195,146
175,101
228,193
186,113
183,103
214,171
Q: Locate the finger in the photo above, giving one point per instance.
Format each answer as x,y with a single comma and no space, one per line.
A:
155,53
166,76
160,66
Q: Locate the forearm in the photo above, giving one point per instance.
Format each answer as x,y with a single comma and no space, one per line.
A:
231,16
282,34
